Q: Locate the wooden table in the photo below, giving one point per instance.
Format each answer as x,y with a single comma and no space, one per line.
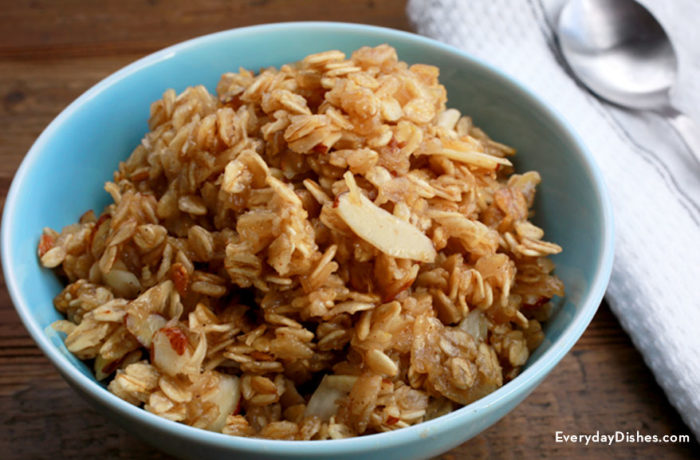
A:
51,51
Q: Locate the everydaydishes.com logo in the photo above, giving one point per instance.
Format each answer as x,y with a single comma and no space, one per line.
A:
618,437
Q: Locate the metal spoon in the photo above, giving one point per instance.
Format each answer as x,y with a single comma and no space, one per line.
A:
620,52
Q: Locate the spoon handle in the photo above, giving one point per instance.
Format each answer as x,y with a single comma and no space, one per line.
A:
688,130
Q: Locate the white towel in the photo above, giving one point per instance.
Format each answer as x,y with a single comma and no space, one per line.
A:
654,181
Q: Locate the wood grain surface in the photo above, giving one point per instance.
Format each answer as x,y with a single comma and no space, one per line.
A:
52,51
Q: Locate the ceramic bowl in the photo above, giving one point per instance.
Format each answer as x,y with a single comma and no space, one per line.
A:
64,172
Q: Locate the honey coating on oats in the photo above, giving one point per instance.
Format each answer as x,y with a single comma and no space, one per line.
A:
318,251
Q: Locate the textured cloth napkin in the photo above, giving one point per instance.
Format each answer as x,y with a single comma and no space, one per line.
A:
654,182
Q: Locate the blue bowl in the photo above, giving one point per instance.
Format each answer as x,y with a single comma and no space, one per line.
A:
64,172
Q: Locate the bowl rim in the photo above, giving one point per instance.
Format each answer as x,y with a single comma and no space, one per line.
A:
524,383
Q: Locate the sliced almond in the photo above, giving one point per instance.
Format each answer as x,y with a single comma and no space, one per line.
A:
324,402
144,328
383,230
226,397
104,367
479,159
123,283
170,350
470,153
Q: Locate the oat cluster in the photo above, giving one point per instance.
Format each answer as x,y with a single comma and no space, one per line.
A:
315,252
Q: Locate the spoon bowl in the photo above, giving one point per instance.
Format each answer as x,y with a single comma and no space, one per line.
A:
618,50
621,53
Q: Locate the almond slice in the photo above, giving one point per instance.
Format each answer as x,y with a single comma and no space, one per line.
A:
123,283
383,230
170,350
226,397
143,328
469,153
324,402
482,160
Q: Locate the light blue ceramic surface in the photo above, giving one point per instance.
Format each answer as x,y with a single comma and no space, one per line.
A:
63,175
